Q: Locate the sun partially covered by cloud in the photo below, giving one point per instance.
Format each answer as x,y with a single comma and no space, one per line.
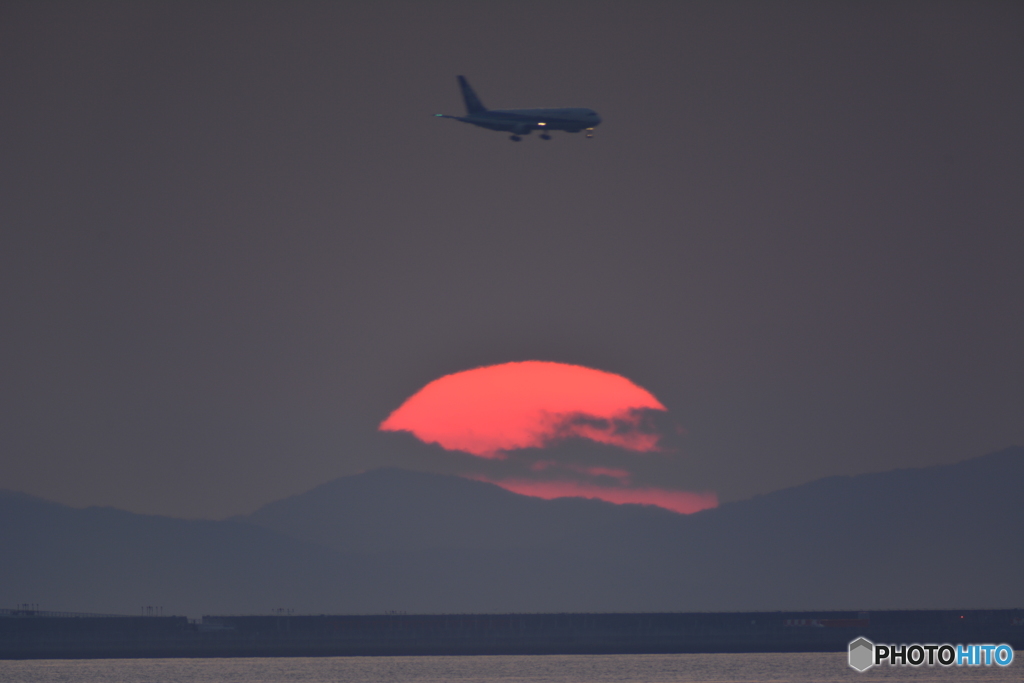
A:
491,410
517,416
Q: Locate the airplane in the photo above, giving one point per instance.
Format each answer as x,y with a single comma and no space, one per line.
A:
521,121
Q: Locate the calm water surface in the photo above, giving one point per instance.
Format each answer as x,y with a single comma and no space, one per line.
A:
799,668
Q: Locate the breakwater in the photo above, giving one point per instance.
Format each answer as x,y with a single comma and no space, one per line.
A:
35,636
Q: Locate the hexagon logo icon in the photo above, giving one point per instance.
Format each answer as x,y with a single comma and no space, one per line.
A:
862,654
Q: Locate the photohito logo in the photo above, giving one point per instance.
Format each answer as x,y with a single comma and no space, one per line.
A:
864,654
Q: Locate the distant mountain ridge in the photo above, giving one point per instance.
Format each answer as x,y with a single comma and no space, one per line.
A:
390,510
936,537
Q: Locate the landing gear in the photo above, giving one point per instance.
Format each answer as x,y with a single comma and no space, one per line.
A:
514,138
545,136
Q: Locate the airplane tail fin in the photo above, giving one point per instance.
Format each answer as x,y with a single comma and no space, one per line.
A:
473,105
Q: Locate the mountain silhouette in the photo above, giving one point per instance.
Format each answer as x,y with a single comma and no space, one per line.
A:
938,537
392,510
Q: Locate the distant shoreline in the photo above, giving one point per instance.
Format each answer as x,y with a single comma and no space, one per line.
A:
33,636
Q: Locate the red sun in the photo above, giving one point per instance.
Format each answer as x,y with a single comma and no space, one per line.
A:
489,410
494,411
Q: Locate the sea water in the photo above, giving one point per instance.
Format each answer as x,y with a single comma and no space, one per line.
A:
676,668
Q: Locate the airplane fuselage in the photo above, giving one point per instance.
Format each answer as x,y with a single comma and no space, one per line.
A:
523,121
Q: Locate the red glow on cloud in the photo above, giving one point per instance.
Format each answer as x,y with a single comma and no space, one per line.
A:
685,502
487,411
621,475
613,472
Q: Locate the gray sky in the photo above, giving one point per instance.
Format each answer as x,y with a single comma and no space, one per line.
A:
234,237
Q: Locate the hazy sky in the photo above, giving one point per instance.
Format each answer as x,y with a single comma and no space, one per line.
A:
234,238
